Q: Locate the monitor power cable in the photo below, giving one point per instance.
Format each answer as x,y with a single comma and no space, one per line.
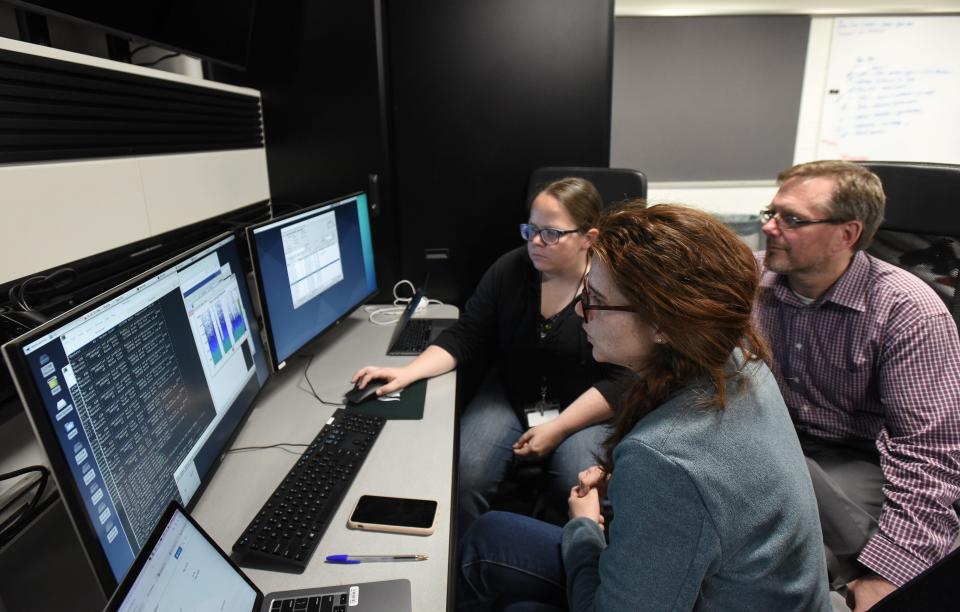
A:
18,518
313,391
57,279
281,445
158,60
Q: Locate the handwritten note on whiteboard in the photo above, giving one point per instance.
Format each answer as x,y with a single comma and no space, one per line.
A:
893,90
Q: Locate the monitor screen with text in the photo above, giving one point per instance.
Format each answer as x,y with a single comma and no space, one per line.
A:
135,394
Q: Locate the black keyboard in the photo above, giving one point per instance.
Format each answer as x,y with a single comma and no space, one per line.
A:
414,337
288,528
333,602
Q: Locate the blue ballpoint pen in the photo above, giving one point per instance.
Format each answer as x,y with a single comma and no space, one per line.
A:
352,559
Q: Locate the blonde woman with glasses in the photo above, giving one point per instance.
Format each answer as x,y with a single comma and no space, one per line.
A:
521,320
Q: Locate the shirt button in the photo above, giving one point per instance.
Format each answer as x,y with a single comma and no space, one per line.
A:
798,346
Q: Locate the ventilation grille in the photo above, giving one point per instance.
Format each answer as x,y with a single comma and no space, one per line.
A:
52,109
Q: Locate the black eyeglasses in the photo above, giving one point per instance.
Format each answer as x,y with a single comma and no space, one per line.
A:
586,306
791,221
549,235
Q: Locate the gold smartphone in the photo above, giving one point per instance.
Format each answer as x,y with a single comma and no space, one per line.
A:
394,515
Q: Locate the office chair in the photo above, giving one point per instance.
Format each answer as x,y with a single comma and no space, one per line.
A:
921,228
614,184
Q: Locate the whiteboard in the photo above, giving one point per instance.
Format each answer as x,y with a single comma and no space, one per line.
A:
892,90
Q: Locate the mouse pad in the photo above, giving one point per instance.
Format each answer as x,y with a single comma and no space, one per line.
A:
407,406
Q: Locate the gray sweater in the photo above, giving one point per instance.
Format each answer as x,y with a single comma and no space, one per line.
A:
713,511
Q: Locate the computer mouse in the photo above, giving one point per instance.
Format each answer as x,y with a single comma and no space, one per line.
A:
358,395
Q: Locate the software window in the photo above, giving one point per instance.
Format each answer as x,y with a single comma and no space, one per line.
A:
312,252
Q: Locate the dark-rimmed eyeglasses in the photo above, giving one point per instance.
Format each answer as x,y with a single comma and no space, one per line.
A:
587,305
791,221
549,235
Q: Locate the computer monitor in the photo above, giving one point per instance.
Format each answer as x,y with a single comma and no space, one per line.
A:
136,394
313,268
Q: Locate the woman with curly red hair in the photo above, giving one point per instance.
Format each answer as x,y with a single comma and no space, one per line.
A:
713,506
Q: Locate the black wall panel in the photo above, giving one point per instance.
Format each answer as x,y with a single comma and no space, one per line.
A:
316,65
482,93
459,104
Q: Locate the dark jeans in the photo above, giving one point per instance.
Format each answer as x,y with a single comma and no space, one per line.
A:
489,427
511,563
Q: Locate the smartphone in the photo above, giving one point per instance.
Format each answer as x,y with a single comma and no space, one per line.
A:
394,515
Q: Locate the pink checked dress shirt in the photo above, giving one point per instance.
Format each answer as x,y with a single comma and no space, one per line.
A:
877,357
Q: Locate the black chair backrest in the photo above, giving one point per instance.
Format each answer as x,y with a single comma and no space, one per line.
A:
614,184
921,225
921,198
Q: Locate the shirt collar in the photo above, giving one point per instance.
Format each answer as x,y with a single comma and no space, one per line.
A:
850,290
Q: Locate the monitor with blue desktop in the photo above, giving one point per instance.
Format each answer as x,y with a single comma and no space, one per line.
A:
136,394
313,268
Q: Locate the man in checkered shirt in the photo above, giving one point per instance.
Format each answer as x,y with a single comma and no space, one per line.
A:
868,360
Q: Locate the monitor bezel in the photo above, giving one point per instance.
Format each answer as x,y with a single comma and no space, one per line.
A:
275,363
44,430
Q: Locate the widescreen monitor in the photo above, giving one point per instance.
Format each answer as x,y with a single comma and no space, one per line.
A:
136,394
313,268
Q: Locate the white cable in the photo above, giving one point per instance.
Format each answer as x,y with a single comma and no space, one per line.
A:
393,311
376,313
399,300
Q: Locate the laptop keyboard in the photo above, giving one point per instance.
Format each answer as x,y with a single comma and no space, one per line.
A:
286,530
414,337
335,602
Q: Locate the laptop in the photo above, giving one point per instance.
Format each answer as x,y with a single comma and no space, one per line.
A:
412,336
181,568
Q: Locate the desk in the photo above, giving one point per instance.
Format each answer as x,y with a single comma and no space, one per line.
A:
409,459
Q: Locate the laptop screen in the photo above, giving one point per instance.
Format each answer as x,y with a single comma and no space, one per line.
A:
184,571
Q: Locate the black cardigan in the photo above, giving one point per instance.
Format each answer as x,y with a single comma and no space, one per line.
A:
501,322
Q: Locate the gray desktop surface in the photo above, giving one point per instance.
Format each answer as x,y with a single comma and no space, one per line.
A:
409,459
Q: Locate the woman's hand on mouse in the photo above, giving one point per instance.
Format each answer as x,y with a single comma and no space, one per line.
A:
397,378
431,362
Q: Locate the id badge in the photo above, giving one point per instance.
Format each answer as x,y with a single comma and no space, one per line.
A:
540,413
